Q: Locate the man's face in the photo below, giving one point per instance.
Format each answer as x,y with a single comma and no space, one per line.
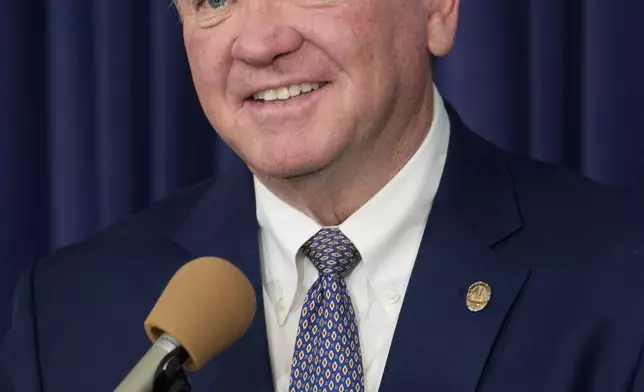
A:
350,70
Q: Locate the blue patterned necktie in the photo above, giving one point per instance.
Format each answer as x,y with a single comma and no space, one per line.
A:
327,353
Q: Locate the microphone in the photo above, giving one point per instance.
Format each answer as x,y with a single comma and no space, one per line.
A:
207,305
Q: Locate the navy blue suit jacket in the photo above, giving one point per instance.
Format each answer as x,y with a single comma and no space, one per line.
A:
563,255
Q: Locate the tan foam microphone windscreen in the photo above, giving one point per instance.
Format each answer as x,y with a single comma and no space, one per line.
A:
207,305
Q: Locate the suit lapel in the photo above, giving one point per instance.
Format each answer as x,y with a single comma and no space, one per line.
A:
224,225
439,344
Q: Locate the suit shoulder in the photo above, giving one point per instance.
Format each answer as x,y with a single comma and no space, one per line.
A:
568,216
124,245
560,191
164,217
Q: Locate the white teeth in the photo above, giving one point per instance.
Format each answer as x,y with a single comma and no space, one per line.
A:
286,92
283,93
270,95
294,90
306,87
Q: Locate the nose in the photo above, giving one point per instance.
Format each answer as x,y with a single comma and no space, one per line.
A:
264,36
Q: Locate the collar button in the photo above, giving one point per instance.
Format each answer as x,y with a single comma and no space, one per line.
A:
393,296
281,304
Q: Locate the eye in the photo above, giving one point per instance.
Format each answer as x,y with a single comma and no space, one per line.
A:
209,13
213,3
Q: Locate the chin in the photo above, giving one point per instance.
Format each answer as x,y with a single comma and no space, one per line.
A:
292,157
289,169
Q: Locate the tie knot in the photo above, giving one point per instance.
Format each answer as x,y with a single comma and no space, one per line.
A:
332,253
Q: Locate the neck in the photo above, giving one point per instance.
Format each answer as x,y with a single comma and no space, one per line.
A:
331,195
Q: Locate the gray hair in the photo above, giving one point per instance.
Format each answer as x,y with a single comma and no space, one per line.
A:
176,7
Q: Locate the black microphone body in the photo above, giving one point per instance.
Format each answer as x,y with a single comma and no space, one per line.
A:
160,369
170,375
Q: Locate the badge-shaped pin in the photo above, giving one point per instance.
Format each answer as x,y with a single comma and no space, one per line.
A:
478,296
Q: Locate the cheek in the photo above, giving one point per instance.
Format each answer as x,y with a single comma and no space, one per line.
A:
209,77
345,30
207,62
346,35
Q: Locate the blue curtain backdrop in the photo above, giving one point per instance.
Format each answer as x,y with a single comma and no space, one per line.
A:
98,117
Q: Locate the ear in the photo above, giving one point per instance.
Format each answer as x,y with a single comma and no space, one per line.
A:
442,25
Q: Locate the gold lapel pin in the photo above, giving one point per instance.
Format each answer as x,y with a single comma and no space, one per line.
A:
478,296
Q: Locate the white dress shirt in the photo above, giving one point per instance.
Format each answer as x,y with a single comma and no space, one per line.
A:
387,231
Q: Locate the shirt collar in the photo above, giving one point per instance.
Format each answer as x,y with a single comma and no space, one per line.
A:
288,229
406,199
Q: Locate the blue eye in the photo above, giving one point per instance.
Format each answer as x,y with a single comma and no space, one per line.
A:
217,3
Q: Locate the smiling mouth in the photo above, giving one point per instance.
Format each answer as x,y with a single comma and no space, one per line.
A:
285,93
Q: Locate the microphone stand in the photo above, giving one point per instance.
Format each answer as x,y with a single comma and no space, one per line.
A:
170,375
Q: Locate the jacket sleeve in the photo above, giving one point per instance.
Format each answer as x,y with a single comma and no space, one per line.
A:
19,355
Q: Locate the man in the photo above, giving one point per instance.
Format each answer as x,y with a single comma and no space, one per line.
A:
452,266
